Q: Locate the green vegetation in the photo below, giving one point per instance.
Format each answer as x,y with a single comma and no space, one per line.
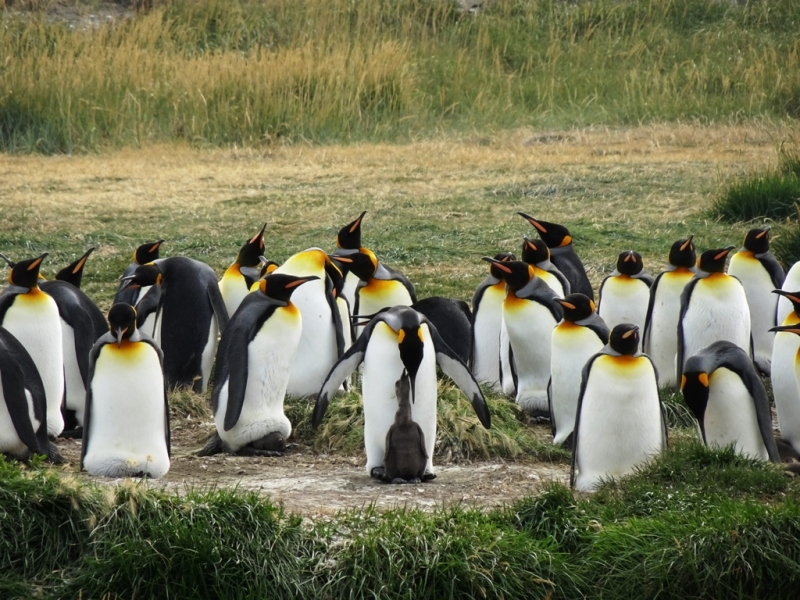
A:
687,525
251,73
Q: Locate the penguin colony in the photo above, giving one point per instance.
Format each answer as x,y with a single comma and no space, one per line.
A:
303,329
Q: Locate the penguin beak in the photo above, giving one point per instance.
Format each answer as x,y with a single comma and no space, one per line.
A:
724,253
763,233
687,243
565,304
411,346
497,263
533,222
794,297
787,329
120,333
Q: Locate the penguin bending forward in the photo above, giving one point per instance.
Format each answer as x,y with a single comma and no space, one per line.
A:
395,340
126,427
723,390
405,457
620,422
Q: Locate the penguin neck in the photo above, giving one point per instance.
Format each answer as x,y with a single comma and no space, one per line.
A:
561,249
403,414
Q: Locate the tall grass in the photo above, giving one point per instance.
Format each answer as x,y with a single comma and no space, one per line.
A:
247,72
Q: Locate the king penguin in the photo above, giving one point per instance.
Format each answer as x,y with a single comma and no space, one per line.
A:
348,242
723,390
760,273
487,325
254,361
536,253
126,429
562,254
240,276
190,315
620,422
530,312
579,336
73,272
713,308
23,405
624,295
405,457
144,254
784,372
660,337
31,316
322,340
395,340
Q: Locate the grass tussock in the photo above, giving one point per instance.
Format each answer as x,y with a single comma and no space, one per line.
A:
251,73
183,403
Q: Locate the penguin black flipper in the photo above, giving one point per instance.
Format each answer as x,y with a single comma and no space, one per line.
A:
337,317
452,319
773,268
685,296
7,298
455,369
553,425
218,304
14,383
476,302
650,304
343,368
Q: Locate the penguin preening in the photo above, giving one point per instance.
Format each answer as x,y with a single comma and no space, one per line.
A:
126,429
723,390
624,295
254,362
243,273
31,316
713,308
579,336
562,254
660,334
395,340
405,457
760,273
620,422
530,313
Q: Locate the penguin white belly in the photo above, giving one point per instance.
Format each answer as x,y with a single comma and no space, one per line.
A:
351,282
378,294
572,346
785,385
233,288
624,300
382,368
127,429
762,303
790,284
9,439
530,329
717,311
661,344
34,320
730,416
486,331
620,420
73,382
269,356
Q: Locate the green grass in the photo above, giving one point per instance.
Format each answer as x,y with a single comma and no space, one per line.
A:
253,73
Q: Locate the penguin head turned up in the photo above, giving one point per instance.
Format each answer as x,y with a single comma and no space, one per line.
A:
624,338
73,272
252,249
629,263
757,240
349,236
147,252
713,261
576,306
553,234
682,253
25,273
534,251
280,286
517,274
122,321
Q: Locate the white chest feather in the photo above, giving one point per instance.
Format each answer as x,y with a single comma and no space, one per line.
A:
661,343
233,288
624,300
75,390
488,321
762,303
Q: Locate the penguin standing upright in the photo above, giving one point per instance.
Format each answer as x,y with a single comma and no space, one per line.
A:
126,430
190,315
723,390
395,340
405,457
530,312
790,283
254,362
487,323
579,336
760,273
240,276
620,421
660,336
73,272
624,295
32,317
562,254
322,340
784,375
348,241
713,308
536,253
23,423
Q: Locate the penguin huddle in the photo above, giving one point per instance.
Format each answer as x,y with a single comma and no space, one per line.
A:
307,327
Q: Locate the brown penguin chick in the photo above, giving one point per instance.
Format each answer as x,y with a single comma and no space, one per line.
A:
405,457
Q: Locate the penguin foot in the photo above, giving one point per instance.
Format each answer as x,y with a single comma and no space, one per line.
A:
400,480
786,451
213,446
538,415
53,455
251,451
567,444
72,434
428,476
378,473
273,442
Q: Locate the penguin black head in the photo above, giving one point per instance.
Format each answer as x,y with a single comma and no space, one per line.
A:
517,274
576,306
630,263
534,251
362,264
252,249
793,297
694,387
624,339
280,286
502,257
713,261
25,273
73,272
267,266
554,235
122,321
411,345
349,236
682,253
147,253
757,240
144,275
